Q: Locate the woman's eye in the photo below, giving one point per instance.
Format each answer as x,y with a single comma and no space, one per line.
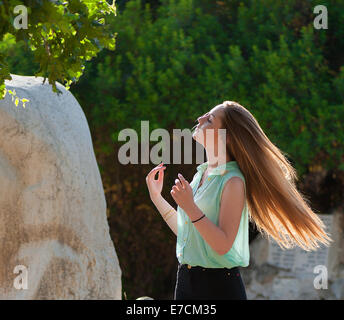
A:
209,120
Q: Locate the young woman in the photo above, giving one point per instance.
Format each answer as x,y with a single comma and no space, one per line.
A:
255,183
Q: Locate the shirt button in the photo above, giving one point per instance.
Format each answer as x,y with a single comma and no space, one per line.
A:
186,222
224,173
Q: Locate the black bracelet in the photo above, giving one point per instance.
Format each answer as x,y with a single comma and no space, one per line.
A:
198,218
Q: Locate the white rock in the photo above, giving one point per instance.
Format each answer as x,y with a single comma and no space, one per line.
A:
52,204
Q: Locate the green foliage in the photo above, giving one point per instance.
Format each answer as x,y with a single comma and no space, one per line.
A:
185,60
63,35
151,74
265,55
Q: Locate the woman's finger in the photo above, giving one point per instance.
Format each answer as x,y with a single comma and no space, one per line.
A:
156,167
174,193
153,172
178,184
159,171
150,177
161,174
175,188
183,181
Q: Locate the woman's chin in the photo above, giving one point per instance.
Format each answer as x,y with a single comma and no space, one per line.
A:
194,136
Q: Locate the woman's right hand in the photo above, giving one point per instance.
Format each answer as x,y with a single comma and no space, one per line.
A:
155,186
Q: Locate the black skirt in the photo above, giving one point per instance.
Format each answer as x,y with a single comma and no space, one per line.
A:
199,283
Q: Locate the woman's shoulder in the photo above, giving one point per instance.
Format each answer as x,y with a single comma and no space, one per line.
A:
233,172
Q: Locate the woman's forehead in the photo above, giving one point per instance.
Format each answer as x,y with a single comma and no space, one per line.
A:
217,110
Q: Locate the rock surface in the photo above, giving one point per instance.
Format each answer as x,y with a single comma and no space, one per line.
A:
292,276
52,206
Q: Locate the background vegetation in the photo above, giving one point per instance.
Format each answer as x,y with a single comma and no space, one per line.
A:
175,60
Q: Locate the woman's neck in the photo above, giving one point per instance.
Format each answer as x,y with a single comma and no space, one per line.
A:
213,161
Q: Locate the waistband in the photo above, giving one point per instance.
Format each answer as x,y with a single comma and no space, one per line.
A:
188,266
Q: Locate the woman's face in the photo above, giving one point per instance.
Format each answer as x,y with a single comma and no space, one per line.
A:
211,120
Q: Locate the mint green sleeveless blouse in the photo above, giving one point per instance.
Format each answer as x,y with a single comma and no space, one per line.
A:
191,248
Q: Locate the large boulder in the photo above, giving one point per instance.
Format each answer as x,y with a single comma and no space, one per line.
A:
55,241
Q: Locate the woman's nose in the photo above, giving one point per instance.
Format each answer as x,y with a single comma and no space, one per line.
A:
201,118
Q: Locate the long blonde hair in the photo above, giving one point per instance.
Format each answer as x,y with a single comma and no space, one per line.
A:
276,207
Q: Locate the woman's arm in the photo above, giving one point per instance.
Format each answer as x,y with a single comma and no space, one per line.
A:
163,207
155,186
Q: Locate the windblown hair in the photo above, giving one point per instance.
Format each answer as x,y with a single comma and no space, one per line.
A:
275,205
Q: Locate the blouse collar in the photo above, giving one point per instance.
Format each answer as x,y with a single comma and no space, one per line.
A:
219,170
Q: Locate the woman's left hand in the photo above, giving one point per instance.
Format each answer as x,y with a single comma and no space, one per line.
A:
182,194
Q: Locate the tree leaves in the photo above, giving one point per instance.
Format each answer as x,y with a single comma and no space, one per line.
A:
55,30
